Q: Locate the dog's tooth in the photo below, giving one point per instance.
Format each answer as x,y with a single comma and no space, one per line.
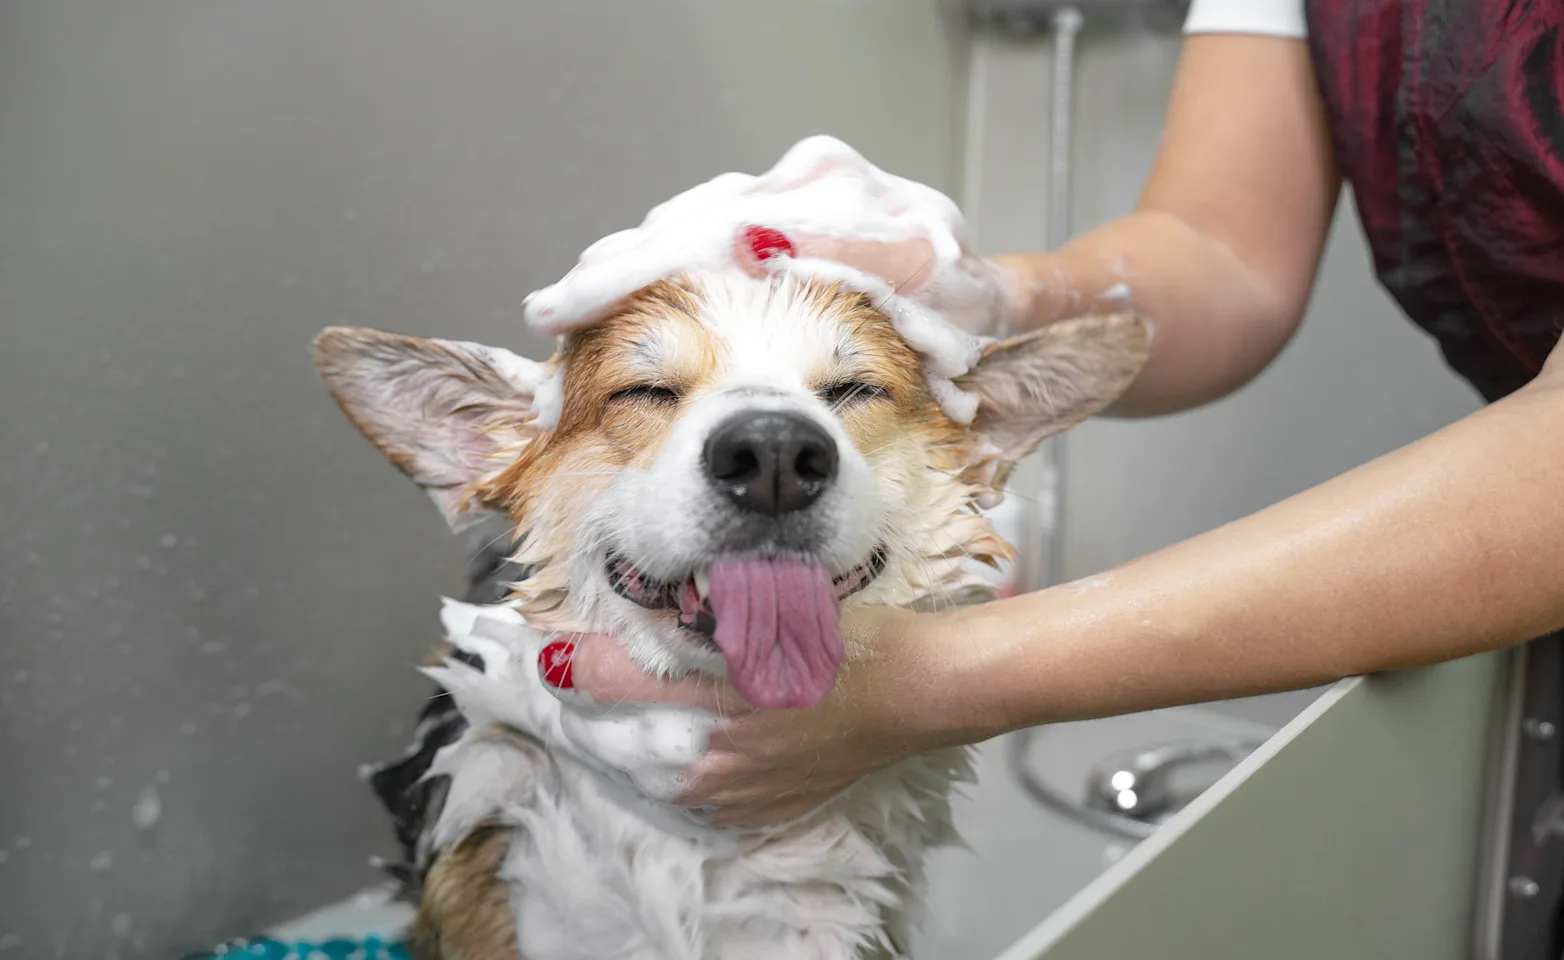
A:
702,583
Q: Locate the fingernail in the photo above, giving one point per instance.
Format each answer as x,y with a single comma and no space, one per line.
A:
554,662
766,243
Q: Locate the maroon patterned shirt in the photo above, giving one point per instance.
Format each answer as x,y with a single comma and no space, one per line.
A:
1446,117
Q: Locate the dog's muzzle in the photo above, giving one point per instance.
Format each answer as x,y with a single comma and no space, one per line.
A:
691,596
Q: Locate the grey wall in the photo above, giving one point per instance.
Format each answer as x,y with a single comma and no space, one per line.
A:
212,591
1358,381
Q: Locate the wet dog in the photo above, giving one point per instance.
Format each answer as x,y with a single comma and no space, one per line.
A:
731,461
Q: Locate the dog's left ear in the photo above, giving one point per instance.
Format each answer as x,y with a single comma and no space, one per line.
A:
1045,382
448,414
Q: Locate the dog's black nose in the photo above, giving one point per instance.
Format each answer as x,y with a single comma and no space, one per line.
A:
771,462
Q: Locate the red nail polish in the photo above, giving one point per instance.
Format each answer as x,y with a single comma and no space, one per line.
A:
766,243
554,659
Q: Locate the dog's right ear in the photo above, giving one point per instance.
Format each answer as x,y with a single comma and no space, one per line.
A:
447,413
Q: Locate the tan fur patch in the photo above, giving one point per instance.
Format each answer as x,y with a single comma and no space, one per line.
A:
465,910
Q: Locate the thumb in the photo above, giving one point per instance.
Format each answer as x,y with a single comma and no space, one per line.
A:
596,665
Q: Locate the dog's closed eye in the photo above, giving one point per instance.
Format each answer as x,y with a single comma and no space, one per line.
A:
850,391
647,393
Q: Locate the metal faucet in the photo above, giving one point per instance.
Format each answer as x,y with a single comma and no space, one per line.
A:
1139,784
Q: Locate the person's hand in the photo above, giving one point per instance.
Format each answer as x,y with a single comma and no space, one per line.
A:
821,204
991,297
763,767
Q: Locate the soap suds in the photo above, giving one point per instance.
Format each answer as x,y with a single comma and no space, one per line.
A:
1119,292
548,400
821,188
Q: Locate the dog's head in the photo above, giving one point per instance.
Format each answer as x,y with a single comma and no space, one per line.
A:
728,460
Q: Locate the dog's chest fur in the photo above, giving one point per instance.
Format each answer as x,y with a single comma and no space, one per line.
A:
530,833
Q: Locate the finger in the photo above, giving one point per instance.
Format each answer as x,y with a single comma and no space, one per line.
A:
595,665
767,813
907,264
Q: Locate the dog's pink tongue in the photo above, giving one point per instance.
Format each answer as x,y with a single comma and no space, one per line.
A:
777,627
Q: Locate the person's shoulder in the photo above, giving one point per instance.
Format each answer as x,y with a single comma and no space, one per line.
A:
1277,18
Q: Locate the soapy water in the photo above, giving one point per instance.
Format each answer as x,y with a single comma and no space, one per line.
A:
823,211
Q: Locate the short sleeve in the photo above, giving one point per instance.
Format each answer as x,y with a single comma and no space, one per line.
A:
1275,18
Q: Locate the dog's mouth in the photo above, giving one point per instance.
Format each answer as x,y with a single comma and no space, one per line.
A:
692,595
773,618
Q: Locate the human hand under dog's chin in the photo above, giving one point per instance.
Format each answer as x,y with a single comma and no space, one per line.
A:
765,767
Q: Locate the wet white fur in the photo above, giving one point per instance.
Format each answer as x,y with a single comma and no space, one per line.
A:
601,867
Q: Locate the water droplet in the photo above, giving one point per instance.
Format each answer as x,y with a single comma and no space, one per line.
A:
9,942
148,809
213,647
19,676
163,776
104,783
188,728
268,687
120,924
22,843
169,541
241,710
42,446
102,863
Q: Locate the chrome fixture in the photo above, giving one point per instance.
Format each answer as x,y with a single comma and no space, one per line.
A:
1128,794
1026,18
1142,784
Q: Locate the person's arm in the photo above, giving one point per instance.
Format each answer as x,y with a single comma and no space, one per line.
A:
1222,249
1451,546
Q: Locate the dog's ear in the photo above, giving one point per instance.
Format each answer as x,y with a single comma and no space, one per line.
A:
1045,382
446,413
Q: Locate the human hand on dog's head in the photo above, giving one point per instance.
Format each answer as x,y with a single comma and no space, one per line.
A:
767,766
822,210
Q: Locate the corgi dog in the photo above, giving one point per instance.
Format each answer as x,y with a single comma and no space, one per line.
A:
732,460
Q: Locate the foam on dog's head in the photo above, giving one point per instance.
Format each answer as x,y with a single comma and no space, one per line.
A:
820,187
619,472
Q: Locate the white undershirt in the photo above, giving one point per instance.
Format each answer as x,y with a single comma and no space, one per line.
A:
1276,18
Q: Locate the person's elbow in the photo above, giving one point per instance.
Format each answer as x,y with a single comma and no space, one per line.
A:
1224,328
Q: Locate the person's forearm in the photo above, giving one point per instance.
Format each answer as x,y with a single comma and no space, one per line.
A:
1449,547
1218,322
1224,245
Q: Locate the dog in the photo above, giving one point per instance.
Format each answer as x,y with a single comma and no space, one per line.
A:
718,440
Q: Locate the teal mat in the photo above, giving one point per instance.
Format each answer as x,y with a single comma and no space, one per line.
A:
337,948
